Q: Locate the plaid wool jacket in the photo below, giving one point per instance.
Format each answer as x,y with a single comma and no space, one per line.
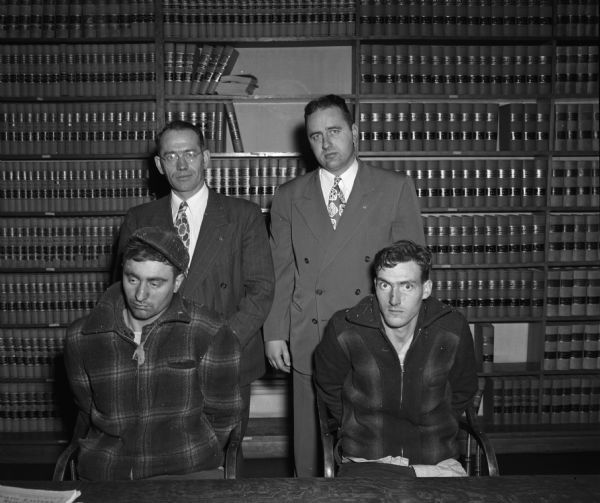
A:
169,412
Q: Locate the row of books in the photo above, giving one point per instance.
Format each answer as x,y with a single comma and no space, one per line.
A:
77,19
573,292
254,178
497,70
54,70
450,18
577,18
577,126
50,186
513,401
574,237
259,18
575,183
30,353
474,183
524,127
49,298
428,126
30,407
58,242
196,69
209,116
77,128
491,293
572,347
576,69
485,239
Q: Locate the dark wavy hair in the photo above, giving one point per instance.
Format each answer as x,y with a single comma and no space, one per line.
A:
403,251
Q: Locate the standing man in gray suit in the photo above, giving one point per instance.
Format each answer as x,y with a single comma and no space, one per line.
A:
326,227
231,270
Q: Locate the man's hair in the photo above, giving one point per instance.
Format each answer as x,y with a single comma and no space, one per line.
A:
139,251
403,251
328,101
178,125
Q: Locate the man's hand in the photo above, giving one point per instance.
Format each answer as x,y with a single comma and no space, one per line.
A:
278,355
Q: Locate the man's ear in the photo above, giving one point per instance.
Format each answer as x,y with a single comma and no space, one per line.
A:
178,280
354,129
158,164
206,157
427,286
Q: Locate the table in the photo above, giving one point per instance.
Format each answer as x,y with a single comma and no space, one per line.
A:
513,489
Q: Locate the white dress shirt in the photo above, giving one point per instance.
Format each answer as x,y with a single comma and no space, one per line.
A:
346,183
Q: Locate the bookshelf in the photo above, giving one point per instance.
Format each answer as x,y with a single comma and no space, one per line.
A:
491,108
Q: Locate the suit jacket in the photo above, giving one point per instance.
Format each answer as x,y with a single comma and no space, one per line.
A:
318,270
231,270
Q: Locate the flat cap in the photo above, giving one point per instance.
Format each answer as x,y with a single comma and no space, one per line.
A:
166,242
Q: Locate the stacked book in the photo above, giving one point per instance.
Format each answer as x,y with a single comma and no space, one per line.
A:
253,178
577,18
572,347
467,239
573,292
259,18
30,353
93,70
58,242
485,70
491,293
412,126
196,69
77,19
51,186
573,237
577,127
474,183
29,407
49,298
77,128
450,18
577,69
575,183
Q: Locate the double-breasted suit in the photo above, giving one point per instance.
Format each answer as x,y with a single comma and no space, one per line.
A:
231,270
319,270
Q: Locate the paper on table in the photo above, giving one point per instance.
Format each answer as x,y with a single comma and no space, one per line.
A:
10,494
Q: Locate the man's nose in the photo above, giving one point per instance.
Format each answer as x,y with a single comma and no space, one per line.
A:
141,292
395,297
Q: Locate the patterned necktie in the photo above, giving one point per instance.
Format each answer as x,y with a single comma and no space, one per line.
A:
337,203
182,225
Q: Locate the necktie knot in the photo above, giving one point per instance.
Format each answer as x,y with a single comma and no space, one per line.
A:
336,203
182,225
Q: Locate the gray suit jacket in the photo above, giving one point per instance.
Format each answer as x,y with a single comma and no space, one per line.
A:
231,270
318,270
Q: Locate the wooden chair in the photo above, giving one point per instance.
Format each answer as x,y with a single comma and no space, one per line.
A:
66,465
476,450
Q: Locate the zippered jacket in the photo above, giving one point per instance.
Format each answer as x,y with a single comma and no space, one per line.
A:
170,410
384,408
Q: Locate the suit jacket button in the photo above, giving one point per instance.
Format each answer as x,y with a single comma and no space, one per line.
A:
223,285
314,320
357,291
319,292
306,261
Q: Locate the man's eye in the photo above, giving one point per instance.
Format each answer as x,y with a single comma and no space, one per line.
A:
170,157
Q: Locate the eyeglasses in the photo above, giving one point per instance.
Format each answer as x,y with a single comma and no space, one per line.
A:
187,156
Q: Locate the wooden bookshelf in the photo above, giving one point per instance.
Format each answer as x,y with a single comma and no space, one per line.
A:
492,111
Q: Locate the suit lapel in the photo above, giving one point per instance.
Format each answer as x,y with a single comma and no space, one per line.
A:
311,207
211,239
355,214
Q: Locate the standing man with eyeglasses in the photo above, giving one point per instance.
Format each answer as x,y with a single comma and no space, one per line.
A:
230,270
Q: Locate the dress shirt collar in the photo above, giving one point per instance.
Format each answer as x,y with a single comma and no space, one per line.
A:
346,184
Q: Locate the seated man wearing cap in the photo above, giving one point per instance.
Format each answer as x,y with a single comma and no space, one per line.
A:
155,377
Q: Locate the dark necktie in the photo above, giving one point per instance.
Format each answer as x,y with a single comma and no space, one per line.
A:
182,225
336,204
